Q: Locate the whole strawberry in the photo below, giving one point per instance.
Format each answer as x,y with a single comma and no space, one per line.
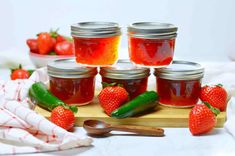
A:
63,117
112,97
214,95
202,118
45,42
19,73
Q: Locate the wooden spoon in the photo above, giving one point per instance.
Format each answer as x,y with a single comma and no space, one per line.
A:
96,127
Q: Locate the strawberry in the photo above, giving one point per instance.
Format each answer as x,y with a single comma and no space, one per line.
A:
112,97
60,38
63,117
202,118
215,95
20,73
46,43
64,48
33,45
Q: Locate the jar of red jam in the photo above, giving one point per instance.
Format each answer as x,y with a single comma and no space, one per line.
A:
96,43
151,44
134,79
179,84
70,82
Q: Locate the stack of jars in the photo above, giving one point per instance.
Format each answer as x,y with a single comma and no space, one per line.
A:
150,45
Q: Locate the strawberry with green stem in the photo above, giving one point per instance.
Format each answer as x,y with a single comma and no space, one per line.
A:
46,43
111,97
202,118
62,116
215,95
20,73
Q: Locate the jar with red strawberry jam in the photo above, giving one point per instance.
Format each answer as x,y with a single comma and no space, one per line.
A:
151,44
96,43
134,79
72,83
179,84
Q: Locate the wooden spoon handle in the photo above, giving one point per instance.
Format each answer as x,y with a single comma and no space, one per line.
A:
142,130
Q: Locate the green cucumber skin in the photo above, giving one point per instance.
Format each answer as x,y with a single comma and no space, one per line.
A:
39,93
141,103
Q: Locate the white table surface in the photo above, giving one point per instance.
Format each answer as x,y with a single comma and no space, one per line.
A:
177,142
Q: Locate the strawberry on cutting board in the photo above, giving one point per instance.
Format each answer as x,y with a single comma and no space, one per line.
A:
63,117
202,118
215,95
112,97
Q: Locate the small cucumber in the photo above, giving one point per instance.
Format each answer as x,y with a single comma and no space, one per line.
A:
43,97
141,103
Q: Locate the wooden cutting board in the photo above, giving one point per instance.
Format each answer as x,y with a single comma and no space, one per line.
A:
161,117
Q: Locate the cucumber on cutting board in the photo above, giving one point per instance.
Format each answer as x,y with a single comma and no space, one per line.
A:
39,93
141,103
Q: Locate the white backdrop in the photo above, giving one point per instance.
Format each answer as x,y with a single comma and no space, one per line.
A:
206,27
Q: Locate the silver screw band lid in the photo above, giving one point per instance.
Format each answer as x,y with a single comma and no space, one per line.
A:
181,70
95,29
152,30
68,68
124,69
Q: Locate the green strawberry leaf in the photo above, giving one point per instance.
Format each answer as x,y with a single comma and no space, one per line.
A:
13,69
52,53
219,85
74,109
54,33
30,71
213,109
105,84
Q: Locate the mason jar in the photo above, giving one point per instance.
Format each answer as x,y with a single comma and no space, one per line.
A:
72,83
151,44
179,84
96,43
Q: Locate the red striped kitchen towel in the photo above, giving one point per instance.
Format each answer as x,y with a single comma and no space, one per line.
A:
22,130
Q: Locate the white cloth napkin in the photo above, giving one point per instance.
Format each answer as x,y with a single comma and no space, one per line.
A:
24,131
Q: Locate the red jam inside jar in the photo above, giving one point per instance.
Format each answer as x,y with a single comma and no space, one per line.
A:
179,84
151,52
96,43
71,83
134,79
151,44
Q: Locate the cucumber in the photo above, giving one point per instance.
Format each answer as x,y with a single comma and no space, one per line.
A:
140,104
39,93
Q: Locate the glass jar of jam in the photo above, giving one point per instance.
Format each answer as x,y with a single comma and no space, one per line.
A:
134,79
179,84
70,82
151,44
96,43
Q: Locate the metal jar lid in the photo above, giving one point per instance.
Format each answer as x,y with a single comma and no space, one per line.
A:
152,30
124,69
68,68
181,70
95,29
